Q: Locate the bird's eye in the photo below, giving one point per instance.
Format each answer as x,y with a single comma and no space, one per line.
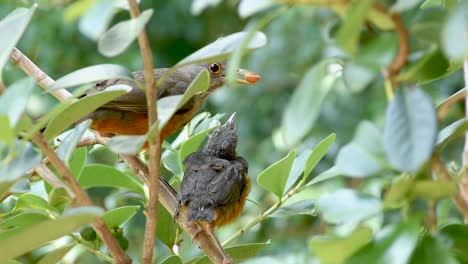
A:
215,68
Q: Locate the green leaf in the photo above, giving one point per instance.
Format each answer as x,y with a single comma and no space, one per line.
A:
118,216
198,6
378,52
7,135
171,162
32,201
78,161
328,174
458,239
347,206
222,48
410,129
23,219
297,169
248,8
98,175
119,37
59,198
433,189
172,260
318,153
167,235
304,207
357,77
25,158
305,104
454,37
432,67
432,250
451,132
274,178
81,108
34,236
348,34
56,255
95,21
69,143
92,74
364,156
13,101
12,27
237,253
129,145
327,247
392,245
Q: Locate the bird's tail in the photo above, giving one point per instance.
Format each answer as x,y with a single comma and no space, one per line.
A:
200,213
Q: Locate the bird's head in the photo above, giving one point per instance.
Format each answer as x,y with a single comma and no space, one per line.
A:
222,142
218,71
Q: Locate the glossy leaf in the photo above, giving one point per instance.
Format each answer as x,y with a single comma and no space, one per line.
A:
14,100
198,6
34,236
304,207
274,178
92,74
357,77
297,169
433,189
32,201
454,37
193,143
81,108
167,235
172,260
69,143
223,47
26,158
399,191
56,255
59,198
404,5
327,247
97,18
12,28
410,129
348,34
7,134
129,145
305,104
328,174
318,153
433,66
118,216
237,253
171,162
364,156
458,237
23,219
451,132
393,245
119,37
98,175
248,8
432,250
347,206
78,161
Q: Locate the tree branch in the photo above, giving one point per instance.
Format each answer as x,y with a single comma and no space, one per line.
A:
48,176
154,143
39,76
82,198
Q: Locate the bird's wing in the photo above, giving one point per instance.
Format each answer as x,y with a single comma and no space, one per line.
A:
135,99
227,186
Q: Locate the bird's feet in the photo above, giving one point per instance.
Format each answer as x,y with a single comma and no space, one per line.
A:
197,231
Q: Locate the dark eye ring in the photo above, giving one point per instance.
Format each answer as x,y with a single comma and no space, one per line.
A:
215,68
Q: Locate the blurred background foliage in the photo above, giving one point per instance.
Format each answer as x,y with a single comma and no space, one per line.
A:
298,38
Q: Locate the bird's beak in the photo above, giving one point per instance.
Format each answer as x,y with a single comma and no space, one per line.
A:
231,120
247,77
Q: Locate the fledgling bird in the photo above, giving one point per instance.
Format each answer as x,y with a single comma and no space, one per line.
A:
215,184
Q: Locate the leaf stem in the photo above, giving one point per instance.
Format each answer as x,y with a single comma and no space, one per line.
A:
92,250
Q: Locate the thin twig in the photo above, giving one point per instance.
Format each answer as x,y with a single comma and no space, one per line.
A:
440,169
2,87
48,176
445,106
39,76
82,198
154,143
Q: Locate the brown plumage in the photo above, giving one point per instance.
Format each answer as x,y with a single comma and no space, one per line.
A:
127,114
215,184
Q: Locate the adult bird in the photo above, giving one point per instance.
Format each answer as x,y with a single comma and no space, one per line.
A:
215,183
127,114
